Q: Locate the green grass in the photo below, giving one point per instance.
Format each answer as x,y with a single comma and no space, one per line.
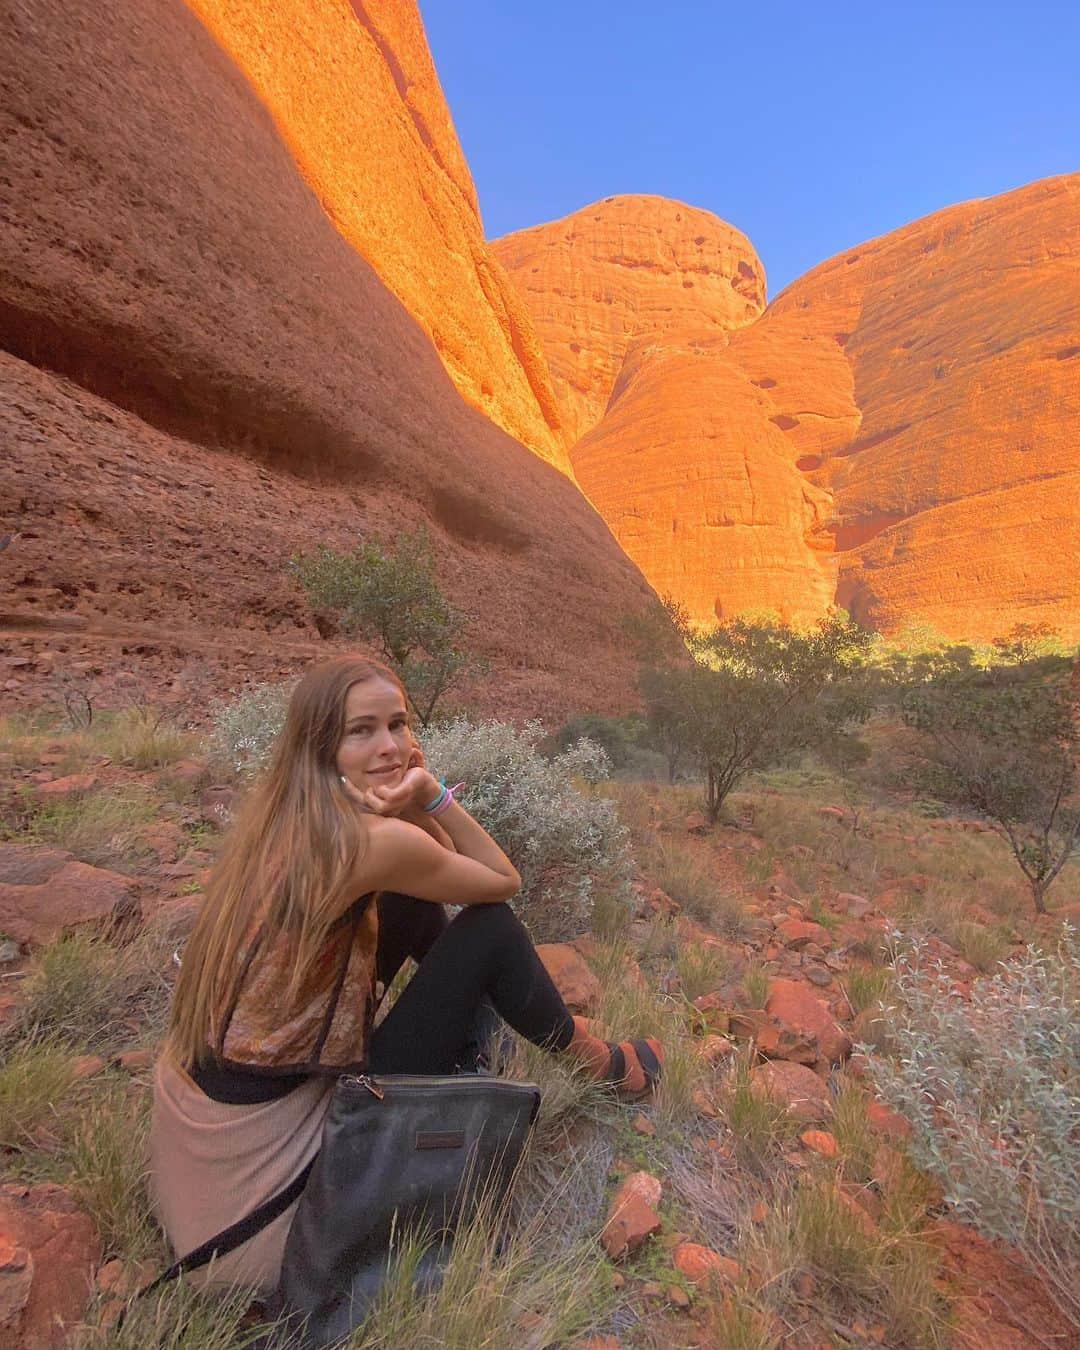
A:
760,1126
867,988
755,983
98,827
86,992
35,1077
107,1165
701,967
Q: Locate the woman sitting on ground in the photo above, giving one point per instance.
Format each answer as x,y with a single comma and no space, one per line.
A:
288,959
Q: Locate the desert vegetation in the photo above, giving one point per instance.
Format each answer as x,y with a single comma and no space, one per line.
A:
871,1076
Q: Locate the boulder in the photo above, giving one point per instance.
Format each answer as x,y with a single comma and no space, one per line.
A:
48,1253
795,1086
579,987
72,785
799,1008
701,1265
73,895
819,1141
799,933
856,905
632,1215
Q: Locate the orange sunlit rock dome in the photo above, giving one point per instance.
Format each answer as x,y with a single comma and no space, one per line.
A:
895,433
621,269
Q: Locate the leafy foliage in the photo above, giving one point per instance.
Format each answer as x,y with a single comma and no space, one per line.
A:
1004,740
754,694
390,595
564,841
991,1087
243,728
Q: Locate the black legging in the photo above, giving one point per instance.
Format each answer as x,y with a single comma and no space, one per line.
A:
483,953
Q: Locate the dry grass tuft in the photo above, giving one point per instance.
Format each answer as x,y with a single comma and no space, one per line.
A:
688,874
85,992
760,1126
100,828
107,1165
35,1076
701,968
867,988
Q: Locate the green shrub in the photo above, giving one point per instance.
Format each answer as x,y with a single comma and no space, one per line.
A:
243,728
563,839
991,1087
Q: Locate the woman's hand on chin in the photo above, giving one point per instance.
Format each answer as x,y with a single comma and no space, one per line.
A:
412,793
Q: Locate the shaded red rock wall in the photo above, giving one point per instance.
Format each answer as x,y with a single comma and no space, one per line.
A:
352,89
233,381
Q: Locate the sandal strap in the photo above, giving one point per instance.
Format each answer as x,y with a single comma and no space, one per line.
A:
650,1065
616,1069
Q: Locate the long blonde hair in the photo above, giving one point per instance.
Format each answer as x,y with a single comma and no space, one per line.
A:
290,856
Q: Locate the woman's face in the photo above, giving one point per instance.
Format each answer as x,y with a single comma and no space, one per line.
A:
377,741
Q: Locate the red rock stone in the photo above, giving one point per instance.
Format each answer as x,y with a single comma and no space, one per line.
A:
696,823
361,76
819,1141
619,269
799,933
16,1278
701,1265
135,1061
579,987
795,1086
74,784
795,1004
887,1122
73,895
63,1250
833,813
632,1215
86,1066
716,1049
897,448
856,905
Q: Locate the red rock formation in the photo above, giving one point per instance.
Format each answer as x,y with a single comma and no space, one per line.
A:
929,381
229,381
351,87
893,434
621,269
699,487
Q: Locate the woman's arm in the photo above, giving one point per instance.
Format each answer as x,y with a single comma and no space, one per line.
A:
402,857
410,858
419,817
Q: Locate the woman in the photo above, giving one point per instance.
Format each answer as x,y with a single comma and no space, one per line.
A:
335,873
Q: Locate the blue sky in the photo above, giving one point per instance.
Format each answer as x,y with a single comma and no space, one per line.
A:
811,127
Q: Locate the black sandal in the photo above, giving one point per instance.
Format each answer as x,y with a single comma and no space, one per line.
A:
651,1066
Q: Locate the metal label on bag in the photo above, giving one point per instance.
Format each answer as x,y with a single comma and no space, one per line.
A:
440,1139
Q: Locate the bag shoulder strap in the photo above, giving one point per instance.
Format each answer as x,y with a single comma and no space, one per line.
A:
237,1233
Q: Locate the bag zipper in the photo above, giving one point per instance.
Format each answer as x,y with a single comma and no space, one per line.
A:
365,1081
398,1081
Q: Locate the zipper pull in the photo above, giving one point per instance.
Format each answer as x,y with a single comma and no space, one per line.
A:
366,1081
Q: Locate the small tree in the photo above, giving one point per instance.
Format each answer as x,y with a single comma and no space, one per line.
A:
390,595
1004,740
755,693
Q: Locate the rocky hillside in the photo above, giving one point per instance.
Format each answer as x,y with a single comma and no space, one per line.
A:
202,375
893,433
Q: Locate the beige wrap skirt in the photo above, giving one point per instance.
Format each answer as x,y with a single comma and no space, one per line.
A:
212,1163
